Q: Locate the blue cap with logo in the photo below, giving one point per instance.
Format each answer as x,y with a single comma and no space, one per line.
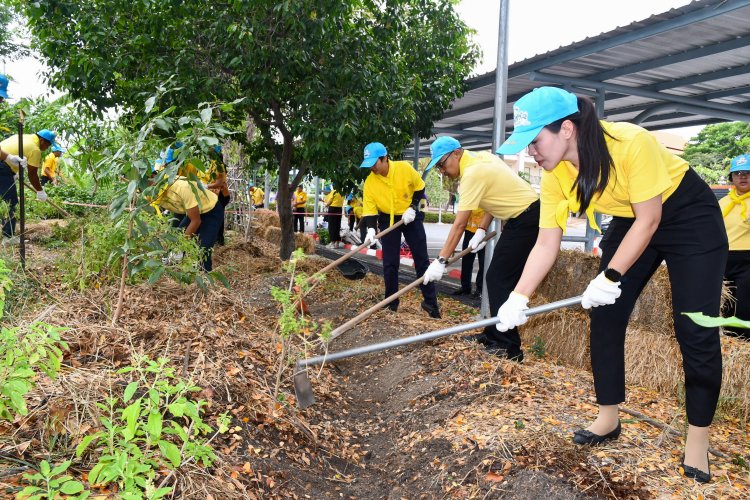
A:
48,136
441,147
373,151
740,163
533,112
3,86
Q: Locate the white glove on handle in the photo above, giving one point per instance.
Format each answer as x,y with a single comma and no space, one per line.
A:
476,242
41,195
434,272
16,161
409,216
600,292
370,236
513,312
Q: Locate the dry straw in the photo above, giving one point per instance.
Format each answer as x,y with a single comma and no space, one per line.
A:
273,235
266,218
652,355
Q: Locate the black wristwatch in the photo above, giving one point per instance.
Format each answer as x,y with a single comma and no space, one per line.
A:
442,259
612,275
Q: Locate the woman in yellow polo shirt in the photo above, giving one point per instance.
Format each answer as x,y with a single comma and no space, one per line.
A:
204,214
734,208
662,212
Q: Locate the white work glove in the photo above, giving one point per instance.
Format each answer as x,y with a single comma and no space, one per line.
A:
476,242
409,216
41,195
600,292
16,161
434,272
369,237
513,312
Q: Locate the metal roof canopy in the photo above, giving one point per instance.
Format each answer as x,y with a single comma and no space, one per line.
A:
688,66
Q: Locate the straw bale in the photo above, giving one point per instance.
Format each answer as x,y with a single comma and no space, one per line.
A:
652,359
273,235
266,218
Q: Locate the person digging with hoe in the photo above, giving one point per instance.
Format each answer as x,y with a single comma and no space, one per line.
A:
488,183
662,211
392,192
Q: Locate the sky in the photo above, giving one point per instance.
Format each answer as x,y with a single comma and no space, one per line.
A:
534,27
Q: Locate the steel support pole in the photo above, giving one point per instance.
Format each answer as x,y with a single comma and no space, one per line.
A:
498,131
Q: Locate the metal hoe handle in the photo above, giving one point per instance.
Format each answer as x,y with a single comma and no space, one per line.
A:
424,337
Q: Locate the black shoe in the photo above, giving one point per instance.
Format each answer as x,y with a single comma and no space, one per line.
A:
461,291
392,307
479,338
695,473
503,352
583,436
476,294
431,309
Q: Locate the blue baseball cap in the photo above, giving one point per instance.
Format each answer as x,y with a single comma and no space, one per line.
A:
533,112
57,148
441,147
217,149
373,151
3,86
740,163
48,136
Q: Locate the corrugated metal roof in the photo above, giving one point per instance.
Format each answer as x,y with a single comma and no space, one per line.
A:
688,66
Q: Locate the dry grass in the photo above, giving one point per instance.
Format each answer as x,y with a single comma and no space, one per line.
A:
266,218
273,235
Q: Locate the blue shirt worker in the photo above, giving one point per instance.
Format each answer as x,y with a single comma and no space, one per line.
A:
3,88
392,192
33,145
488,183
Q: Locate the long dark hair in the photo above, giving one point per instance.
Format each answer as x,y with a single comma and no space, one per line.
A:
595,162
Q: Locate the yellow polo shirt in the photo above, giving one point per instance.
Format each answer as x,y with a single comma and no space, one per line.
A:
393,193
642,170
488,183
334,199
31,150
50,165
258,196
738,228
179,197
300,199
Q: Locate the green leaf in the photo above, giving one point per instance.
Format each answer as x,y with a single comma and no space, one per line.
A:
44,468
206,115
85,442
712,322
150,102
129,391
171,452
154,424
60,468
71,488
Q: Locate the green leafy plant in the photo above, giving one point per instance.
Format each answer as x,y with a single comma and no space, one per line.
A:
295,328
49,484
153,424
538,349
323,236
25,352
5,284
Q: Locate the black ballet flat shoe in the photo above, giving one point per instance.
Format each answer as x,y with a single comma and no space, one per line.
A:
585,437
694,473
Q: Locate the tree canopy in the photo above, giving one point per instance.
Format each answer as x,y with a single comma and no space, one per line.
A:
320,79
715,145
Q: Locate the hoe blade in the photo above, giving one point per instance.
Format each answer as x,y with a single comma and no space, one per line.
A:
302,387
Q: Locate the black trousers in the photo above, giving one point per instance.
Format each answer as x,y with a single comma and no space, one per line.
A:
737,275
299,219
692,241
207,233
467,264
417,241
224,200
10,196
513,247
334,223
45,180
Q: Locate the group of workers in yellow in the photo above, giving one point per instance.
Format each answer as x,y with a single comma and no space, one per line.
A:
662,212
